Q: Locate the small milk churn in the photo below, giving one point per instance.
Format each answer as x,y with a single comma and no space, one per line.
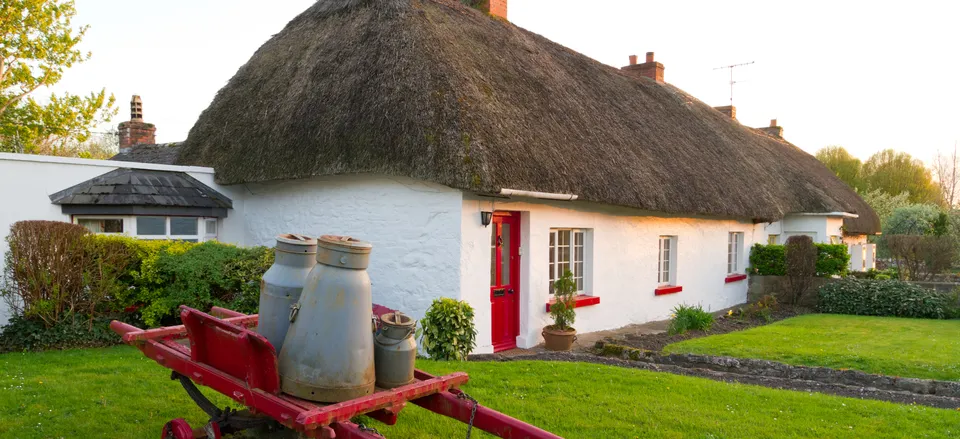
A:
395,350
281,285
328,353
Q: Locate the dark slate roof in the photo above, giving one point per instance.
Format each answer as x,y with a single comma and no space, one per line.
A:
140,187
161,153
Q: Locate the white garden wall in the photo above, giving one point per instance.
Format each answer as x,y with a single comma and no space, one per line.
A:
621,269
26,182
414,227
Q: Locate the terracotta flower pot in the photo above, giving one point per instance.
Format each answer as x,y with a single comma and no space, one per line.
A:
555,340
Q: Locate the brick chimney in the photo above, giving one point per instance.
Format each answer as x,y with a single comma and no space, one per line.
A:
497,8
774,129
136,131
650,69
728,110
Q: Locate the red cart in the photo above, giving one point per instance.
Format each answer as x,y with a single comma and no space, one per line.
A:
225,355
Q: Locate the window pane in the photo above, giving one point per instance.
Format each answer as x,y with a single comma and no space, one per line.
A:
151,225
92,225
493,255
210,227
505,254
183,226
563,255
112,225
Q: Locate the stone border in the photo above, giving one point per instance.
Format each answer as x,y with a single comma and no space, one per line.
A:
775,369
776,382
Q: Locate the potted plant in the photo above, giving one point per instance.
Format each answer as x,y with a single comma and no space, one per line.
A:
560,335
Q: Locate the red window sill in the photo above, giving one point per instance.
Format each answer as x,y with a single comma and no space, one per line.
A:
669,289
735,278
582,300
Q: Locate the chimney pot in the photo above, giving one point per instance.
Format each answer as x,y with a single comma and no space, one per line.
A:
773,123
136,131
650,69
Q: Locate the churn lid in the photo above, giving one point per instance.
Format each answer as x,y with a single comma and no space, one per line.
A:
296,243
345,244
397,318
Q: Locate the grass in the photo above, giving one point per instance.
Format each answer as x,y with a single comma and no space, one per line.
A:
118,393
919,348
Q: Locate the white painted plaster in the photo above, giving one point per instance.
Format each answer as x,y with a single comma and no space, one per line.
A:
29,180
414,227
623,257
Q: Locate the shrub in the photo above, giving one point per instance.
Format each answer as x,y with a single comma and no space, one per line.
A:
74,331
832,259
801,256
565,296
761,309
768,260
43,271
771,260
882,298
922,257
447,332
690,318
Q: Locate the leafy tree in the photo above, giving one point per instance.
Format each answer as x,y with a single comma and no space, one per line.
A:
897,172
918,219
846,166
37,44
884,204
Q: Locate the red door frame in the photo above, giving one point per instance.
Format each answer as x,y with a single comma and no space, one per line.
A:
505,296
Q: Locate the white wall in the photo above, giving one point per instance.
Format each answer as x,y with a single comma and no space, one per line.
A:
27,181
414,227
624,263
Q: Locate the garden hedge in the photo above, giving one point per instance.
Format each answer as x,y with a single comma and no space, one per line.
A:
57,274
892,298
770,260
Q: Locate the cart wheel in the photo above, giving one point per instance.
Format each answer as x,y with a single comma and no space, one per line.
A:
177,429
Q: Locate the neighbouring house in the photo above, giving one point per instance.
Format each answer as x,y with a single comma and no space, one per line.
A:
482,161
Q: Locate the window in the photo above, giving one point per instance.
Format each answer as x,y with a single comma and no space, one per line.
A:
666,267
773,239
102,225
210,227
834,239
180,226
734,250
567,253
151,226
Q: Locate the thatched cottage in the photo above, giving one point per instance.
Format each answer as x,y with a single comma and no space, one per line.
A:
483,160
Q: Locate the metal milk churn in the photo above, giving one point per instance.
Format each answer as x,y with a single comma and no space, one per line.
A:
395,350
328,353
281,285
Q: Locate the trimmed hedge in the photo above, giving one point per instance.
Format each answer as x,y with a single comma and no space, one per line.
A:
891,298
771,260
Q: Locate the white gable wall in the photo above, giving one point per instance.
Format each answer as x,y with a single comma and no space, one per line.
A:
621,266
414,227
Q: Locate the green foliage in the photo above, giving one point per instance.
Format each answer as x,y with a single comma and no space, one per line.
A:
921,257
832,259
884,204
563,310
916,219
21,334
897,172
890,298
761,309
801,267
447,331
771,260
37,44
690,318
843,164
873,273
768,260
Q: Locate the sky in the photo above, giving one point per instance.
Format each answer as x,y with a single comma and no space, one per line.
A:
864,75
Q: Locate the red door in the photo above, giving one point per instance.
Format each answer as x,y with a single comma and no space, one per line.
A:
505,279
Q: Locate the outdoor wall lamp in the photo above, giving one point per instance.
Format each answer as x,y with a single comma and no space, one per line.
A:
485,218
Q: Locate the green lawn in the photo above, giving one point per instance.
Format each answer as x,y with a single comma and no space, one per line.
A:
118,393
919,348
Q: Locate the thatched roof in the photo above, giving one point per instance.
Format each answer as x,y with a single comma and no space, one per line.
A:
435,90
160,153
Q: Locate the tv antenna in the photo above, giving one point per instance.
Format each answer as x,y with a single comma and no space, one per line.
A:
731,67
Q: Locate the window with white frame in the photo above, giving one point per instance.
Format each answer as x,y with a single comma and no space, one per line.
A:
567,253
182,228
734,252
773,239
666,261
